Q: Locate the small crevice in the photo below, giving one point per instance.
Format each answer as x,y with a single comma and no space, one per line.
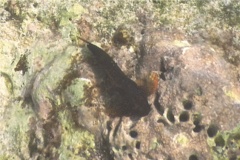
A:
104,148
124,148
138,145
130,156
117,127
163,121
162,69
157,105
170,116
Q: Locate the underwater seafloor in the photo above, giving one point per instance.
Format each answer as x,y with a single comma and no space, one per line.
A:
57,101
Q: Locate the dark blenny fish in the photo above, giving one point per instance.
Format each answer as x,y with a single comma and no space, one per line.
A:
122,95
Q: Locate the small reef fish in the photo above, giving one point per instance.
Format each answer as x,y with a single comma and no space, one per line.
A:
123,97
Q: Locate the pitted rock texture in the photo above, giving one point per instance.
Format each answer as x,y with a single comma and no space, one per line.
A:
191,106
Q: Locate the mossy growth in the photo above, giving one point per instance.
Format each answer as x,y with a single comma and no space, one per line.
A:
15,8
76,143
196,14
4,157
15,130
8,82
116,13
154,143
233,93
67,17
58,16
123,36
225,145
74,93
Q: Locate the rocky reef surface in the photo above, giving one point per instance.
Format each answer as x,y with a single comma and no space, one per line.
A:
57,102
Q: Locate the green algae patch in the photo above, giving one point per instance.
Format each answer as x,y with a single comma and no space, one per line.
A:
233,93
15,132
154,143
196,15
52,79
76,143
181,139
225,145
74,94
67,18
4,157
6,87
72,13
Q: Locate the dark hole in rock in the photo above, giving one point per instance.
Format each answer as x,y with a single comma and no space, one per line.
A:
130,156
157,105
117,127
35,5
197,128
162,65
163,121
133,134
219,141
109,126
193,157
197,119
212,130
138,145
187,104
170,116
162,76
39,18
124,148
33,145
184,116
28,99
22,64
